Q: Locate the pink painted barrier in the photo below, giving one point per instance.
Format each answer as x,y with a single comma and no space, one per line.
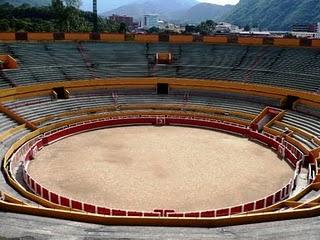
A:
135,214
192,215
76,205
223,212
54,198
160,211
65,201
147,214
104,211
115,212
236,210
269,201
260,204
248,207
89,208
176,215
277,197
208,214
38,189
166,212
45,194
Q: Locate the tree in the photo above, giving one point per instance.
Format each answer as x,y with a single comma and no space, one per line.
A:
62,15
68,15
247,28
154,30
123,28
190,29
289,35
206,27
108,25
57,5
4,25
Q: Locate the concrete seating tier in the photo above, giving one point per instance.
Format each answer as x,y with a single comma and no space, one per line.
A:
6,123
306,123
41,107
4,147
297,68
307,109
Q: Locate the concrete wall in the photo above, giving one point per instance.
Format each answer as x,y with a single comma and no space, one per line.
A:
250,41
146,38
40,36
112,37
7,36
287,42
77,36
215,39
181,39
316,43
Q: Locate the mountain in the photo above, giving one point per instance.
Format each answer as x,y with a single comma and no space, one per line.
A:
275,14
104,5
165,8
31,2
204,11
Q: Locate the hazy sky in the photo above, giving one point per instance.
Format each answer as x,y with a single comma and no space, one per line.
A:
222,2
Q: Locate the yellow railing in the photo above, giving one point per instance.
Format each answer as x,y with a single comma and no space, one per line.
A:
247,88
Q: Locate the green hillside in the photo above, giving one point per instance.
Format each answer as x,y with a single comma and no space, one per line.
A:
275,14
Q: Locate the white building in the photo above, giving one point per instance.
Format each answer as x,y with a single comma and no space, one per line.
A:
306,34
255,33
224,27
150,20
166,26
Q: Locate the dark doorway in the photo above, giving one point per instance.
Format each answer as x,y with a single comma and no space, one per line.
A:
289,103
163,88
61,93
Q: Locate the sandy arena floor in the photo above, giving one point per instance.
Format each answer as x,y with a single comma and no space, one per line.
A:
143,168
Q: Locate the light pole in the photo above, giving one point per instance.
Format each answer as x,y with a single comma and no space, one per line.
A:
95,16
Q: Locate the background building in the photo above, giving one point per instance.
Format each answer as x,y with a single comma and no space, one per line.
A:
224,27
150,20
122,19
305,28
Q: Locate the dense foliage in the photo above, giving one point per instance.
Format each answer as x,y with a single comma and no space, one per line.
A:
204,28
60,16
275,14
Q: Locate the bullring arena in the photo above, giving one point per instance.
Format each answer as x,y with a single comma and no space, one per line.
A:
159,130
146,168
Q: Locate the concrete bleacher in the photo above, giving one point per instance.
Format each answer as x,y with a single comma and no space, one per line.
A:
306,123
305,128
307,109
6,123
33,109
4,81
4,147
305,141
298,60
297,68
263,100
